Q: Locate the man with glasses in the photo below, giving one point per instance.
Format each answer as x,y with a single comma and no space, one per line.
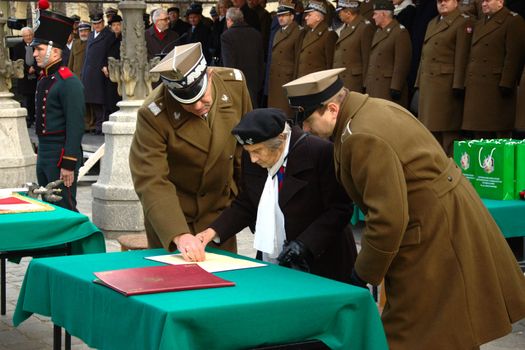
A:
158,38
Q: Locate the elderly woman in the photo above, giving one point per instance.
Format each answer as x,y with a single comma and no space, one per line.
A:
291,198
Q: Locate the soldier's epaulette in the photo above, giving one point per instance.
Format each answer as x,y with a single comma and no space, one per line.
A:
65,73
513,13
465,15
367,22
300,27
229,73
402,26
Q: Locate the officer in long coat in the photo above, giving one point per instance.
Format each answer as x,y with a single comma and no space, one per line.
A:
352,49
310,224
183,159
451,280
78,50
390,55
318,43
60,109
493,71
441,75
285,52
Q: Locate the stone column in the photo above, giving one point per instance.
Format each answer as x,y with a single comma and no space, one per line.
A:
17,158
116,208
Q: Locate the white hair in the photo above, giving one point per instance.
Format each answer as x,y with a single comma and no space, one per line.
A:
29,29
156,14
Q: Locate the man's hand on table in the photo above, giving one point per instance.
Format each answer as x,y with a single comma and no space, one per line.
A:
191,247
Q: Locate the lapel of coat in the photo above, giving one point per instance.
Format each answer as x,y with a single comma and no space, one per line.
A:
312,36
283,34
297,162
382,34
349,29
483,28
436,26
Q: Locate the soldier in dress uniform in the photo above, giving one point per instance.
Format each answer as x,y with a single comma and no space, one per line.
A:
184,161
390,56
352,49
425,225
285,51
441,75
318,43
493,72
60,108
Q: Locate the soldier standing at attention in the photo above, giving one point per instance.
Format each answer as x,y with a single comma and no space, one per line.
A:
441,74
389,58
318,43
285,50
184,161
352,49
493,72
60,108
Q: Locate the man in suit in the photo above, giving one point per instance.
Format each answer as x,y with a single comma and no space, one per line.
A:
389,62
493,72
425,225
177,24
318,43
242,48
93,78
290,197
442,73
352,49
184,162
285,51
159,39
199,32
59,109
26,86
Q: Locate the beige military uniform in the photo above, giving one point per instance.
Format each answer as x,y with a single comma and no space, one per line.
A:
495,60
352,51
451,280
317,50
285,51
185,168
389,62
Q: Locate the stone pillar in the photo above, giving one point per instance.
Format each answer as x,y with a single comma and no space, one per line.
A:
116,208
17,158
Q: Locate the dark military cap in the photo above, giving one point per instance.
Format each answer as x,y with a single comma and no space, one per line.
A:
75,18
52,29
96,17
183,72
213,12
173,9
111,11
194,9
347,4
115,18
84,26
386,5
259,125
308,93
285,7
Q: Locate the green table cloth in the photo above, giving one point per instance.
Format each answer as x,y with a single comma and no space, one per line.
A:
509,215
268,305
22,231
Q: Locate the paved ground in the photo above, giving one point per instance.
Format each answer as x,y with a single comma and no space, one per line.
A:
36,332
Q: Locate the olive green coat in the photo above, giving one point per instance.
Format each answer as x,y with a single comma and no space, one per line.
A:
441,69
352,51
76,57
285,51
185,171
451,280
317,50
389,62
496,58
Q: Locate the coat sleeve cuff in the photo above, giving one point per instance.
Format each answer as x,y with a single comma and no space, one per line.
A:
372,264
68,163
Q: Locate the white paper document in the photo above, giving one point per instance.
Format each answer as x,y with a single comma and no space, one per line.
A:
212,263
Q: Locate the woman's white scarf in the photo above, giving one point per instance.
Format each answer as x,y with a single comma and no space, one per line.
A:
269,225
402,6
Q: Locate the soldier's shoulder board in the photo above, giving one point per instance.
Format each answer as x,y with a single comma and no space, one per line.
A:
229,73
367,21
513,13
465,15
65,73
402,27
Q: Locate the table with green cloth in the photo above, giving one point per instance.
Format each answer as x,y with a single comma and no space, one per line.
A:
268,305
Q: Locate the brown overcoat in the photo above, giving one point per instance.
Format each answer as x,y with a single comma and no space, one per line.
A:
442,68
495,61
352,51
285,51
185,168
389,62
451,280
317,50
76,57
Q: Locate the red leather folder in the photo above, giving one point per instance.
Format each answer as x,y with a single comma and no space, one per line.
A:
157,279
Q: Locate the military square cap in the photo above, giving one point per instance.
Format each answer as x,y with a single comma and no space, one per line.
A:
347,4
111,11
259,125
316,6
96,17
386,5
285,7
308,93
52,29
183,72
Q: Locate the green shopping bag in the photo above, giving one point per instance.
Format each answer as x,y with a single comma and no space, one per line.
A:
463,158
494,169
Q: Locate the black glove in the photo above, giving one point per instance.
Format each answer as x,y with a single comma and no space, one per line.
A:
295,255
356,280
395,94
505,91
458,93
